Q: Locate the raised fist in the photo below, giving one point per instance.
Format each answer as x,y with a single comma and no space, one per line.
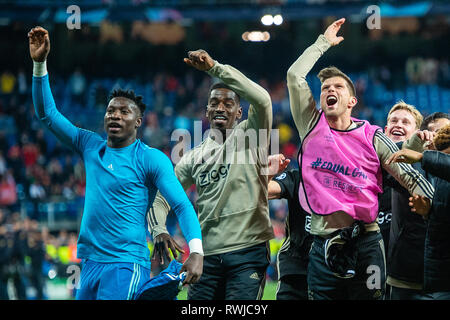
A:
39,44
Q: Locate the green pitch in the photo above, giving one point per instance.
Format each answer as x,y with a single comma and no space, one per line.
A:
269,291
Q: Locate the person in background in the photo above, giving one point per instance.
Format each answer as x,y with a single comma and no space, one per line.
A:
403,120
408,232
293,257
436,283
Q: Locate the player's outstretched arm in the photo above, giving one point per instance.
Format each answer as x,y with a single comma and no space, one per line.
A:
164,244
200,60
44,104
332,31
274,190
391,159
302,103
277,164
171,189
260,112
157,217
421,140
405,155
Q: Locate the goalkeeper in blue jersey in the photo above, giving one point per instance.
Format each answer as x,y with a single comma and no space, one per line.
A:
122,178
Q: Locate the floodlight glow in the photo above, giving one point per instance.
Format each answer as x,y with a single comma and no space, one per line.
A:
256,36
278,19
267,20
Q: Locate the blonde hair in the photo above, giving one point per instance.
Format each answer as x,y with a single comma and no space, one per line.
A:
442,139
402,105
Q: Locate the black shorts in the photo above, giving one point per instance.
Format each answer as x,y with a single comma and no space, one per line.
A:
292,287
369,282
236,275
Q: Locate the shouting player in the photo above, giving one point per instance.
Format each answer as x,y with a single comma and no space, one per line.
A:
340,164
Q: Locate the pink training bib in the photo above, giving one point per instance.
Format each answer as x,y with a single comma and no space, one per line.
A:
340,171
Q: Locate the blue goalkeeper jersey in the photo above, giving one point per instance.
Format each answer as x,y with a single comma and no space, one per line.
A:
121,184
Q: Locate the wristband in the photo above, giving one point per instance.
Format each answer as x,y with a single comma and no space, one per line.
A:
195,246
39,68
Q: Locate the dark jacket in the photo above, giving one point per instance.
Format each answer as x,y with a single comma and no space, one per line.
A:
437,242
407,234
437,163
407,237
294,253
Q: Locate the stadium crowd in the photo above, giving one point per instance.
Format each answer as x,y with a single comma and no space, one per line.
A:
30,254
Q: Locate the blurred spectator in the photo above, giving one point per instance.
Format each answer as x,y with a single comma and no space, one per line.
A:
72,244
5,245
289,150
21,118
182,98
2,164
385,75
30,151
77,84
41,143
8,193
79,173
285,133
63,238
37,195
430,70
36,253
55,170
22,255
68,189
3,142
68,167
15,163
7,82
153,135
444,72
22,86
423,70
16,263
414,69
101,95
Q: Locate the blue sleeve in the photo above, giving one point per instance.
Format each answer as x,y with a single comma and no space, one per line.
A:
45,108
166,181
